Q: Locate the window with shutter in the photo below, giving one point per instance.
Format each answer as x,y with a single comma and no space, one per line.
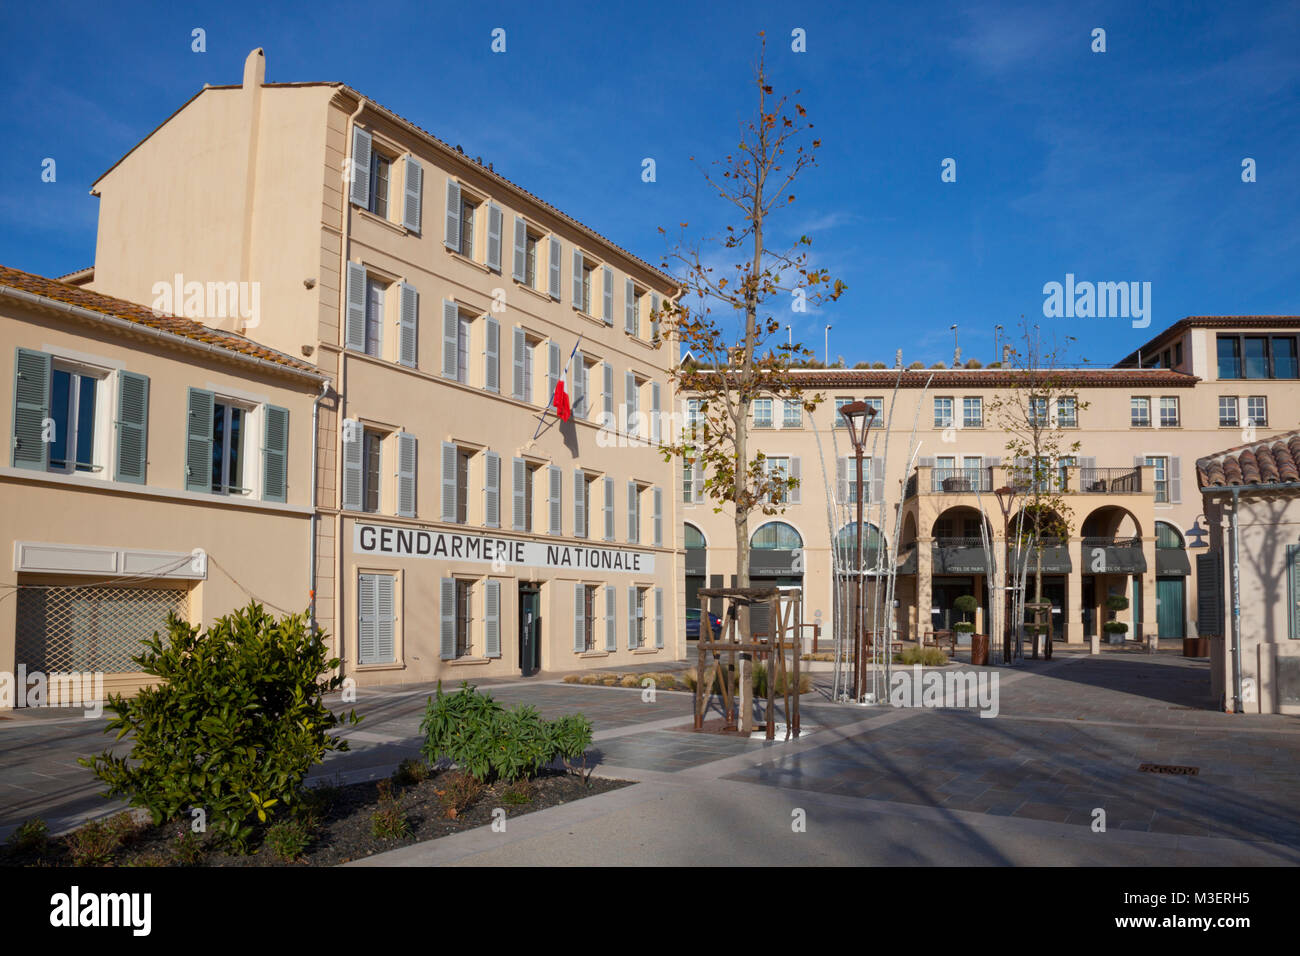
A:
607,289
451,235
133,427
450,339
406,467
450,466
492,619
556,490
658,517
553,267
275,453
198,441
519,488
611,609
359,191
32,373
579,503
519,262
579,619
447,618
633,513
495,219
491,489
492,354
413,195
608,500
410,322
352,465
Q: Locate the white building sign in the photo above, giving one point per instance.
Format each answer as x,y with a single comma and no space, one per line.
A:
488,549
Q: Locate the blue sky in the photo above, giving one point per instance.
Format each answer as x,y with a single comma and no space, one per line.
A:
1115,166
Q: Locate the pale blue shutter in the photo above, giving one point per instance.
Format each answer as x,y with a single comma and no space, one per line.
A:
407,460
409,321
198,441
609,509
1293,590
385,614
631,619
449,452
579,503
521,251
354,332
552,369
447,618
633,518
519,477
360,185
450,338
877,476
795,467
555,491
842,480
577,280
452,237
629,398
659,617
629,306
654,412
607,289
1175,480
32,373
494,237
492,489
367,617
492,619
553,267
611,609
607,396
412,207
654,315
579,618
492,343
352,464
658,517
275,454
697,481
520,343
132,427
579,386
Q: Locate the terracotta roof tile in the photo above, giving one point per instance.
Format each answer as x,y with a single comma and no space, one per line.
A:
1269,461
991,378
57,291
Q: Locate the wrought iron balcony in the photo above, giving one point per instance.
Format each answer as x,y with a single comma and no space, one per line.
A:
961,480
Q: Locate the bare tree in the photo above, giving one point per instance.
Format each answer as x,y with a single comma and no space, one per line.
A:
1034,413
733,365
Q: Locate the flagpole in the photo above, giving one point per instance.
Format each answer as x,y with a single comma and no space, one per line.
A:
565,374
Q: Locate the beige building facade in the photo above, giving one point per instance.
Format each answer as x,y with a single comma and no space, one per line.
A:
155,465
463,531
1135,512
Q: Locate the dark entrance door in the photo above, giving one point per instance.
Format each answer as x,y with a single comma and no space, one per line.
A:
1089,606
530,629
1054,591
944,593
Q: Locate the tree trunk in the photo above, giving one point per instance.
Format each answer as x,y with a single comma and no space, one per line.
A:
745,685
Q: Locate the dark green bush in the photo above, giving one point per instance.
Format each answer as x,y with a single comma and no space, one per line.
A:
1116,602
485,740
288,839
967,604
388,822
233,728
1115,627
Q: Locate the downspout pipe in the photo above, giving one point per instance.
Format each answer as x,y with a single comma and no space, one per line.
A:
315,459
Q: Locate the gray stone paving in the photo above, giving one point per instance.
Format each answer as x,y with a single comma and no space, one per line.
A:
928,785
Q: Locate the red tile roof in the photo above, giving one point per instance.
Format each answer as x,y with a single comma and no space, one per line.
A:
56,291
1154,345
992,378
1269,461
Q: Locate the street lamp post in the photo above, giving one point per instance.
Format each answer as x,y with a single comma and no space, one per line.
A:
1006,496
858,417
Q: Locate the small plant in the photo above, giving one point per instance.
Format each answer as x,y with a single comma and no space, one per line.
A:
388,822
518,793
572,678
458,793
925,656
188,847
93,845
630,680
288,839
1115,627
410,771
32,836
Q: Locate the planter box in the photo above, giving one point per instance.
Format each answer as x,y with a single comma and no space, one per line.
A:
1114,638
1196,647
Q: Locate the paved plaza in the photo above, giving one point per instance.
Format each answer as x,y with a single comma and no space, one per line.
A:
879,785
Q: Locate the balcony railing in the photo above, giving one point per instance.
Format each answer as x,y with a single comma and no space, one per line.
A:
1111,481
960,480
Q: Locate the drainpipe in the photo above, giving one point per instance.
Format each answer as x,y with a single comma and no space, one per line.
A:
311,543
345,238
1236,607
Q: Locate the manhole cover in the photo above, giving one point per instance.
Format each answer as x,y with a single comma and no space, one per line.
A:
1169,768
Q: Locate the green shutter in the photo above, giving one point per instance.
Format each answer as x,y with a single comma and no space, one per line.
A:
367,618
198,441
492,621
1293,591
31,408
275,454
132,427
611,608
448,618
659,617
579,618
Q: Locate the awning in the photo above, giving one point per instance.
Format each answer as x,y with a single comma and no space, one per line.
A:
1113,559
1056,559
958,560
764,563
696,560
909,562
1172,561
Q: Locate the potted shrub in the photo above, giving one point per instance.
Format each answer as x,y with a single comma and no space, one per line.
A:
967,605
1115,630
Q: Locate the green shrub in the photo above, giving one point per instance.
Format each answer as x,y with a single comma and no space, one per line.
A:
188,848
518,793
964,627
967,604
288,839
1116,602
32,836
234,726
485,740
96,843
1115,627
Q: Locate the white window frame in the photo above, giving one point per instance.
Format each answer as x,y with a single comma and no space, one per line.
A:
251,427
100,438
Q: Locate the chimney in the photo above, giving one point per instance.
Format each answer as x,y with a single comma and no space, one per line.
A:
898,358
956,358
255,68
1006,354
